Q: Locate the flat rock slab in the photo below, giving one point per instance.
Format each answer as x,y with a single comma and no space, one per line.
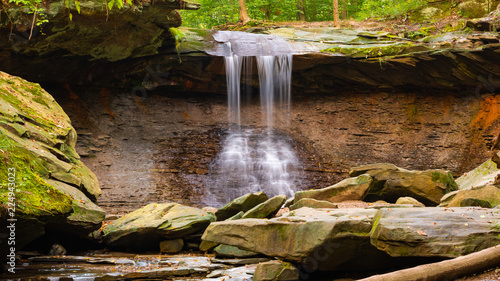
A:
359,238
242,273
435,232
297,236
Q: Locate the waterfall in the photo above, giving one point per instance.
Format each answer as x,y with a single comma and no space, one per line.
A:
254,160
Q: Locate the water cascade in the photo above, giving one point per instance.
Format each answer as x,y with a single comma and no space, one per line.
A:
257,159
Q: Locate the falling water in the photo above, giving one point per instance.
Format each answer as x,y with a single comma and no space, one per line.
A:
254,160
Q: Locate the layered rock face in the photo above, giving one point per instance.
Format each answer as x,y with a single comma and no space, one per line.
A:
160,146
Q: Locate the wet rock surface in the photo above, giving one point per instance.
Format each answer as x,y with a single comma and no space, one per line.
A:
365,237
146,227
116,266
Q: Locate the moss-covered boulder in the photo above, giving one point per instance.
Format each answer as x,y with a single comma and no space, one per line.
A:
43,175
266,209
391,182
482,175
241,204
339,236
484,196
434,232
276,270
144,228
362,239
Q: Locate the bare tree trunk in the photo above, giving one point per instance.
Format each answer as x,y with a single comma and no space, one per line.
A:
244,18
301,10
446,270
336,13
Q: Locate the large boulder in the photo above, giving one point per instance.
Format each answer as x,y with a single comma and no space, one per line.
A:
434,232
339,236
41,169
144,228
266,209
241,204
483,196
361,239
480,176
275,270
312,203
391,182
349,189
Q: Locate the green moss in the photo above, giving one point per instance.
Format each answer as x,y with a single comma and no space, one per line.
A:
28,98
403,251
376,50
446,179
34,196
281,231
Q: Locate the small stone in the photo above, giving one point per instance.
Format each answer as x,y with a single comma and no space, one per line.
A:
206,246
409,201
57,250
276,270
171,246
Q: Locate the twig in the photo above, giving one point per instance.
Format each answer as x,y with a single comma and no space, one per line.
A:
32,25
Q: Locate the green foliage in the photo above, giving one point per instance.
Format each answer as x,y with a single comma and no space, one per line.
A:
219,12
178,36
389,8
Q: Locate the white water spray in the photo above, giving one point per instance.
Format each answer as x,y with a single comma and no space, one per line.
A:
254,160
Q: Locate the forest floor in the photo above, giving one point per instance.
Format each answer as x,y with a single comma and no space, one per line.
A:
400,27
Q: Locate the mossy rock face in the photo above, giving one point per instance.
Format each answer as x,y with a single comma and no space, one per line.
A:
472,9
434,232
43,174
96,31
144,228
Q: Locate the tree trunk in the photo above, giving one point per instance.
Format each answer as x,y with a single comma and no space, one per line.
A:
336,13
301,10
446,270
244,18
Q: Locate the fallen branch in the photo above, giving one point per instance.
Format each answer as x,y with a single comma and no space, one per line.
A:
445,270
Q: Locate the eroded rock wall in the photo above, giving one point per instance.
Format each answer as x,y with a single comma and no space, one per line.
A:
159,146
